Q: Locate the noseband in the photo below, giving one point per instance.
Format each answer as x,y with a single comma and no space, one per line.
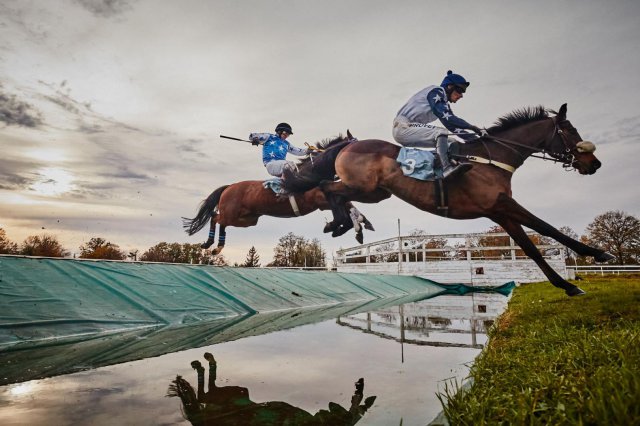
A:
568,156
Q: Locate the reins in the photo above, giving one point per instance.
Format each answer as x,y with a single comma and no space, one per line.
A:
566,158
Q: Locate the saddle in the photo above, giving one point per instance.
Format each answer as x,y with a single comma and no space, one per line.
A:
275,184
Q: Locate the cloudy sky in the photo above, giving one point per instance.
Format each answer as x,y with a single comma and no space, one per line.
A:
110,110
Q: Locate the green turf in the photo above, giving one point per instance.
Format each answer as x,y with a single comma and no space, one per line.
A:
557,360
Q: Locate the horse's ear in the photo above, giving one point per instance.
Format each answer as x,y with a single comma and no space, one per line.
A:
562,114
349,135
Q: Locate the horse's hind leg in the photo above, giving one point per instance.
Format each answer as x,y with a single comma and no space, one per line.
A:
521,215
520,237
222,238
200,370
212,233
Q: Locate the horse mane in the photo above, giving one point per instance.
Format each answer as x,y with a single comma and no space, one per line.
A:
324,144
519,117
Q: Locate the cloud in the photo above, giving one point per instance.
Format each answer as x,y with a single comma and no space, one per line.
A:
15,112
13,176
105,8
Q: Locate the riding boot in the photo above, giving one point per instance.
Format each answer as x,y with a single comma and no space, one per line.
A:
448,168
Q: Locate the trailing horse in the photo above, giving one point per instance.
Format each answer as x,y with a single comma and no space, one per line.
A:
242,203
369,166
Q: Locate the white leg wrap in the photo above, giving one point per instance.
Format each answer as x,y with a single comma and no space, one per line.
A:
356,218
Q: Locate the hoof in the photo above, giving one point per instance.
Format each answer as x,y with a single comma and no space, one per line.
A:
359,237
206,244
209,357
604,257
328,227
216,250
575,291
368,225
196,365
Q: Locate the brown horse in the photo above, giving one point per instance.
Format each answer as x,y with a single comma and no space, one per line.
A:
241,204
231,405
485,191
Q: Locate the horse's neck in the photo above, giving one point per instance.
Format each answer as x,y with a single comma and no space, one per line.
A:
530,138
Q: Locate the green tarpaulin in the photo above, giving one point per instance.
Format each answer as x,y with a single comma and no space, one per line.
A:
60,315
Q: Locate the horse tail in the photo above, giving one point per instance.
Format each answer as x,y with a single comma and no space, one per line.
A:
324,168
183,390
205,212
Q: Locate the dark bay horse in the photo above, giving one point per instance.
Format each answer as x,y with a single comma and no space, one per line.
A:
242,203
485,191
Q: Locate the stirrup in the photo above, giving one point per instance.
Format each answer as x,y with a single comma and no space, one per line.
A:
460,169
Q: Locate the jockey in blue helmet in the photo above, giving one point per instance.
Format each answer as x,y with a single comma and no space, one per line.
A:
412,126
275,148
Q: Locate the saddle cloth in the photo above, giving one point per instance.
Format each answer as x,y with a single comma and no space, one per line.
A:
274,184
418,164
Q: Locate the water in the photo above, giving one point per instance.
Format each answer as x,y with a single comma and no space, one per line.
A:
405,354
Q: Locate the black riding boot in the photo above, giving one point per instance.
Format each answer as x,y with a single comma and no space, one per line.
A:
448,168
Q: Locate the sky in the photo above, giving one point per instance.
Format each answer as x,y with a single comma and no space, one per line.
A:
111,110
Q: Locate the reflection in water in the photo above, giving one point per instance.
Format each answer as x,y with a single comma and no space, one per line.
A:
230,405
451,321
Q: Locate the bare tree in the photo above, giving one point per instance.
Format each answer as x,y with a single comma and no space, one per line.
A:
618,233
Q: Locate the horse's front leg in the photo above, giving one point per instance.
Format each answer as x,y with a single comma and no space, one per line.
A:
521,215
522,239
341,222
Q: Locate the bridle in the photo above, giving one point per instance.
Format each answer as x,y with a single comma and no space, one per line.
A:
567,156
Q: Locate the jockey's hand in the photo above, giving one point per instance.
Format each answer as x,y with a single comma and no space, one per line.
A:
480,132
255,141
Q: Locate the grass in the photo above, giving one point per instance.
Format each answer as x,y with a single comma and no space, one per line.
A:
556,360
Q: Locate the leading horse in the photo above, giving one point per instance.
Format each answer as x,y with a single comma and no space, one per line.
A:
485,191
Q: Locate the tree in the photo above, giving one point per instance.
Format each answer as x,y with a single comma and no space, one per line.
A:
7,246
571,257
182,253
43,245
99,248
253,259
294,250
618,233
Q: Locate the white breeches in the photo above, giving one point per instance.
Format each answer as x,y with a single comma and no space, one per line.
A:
276,167
416,135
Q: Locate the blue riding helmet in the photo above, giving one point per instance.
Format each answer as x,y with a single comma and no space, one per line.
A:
455,79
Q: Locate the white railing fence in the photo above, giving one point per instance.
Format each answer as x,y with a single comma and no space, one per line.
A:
604,269
420,248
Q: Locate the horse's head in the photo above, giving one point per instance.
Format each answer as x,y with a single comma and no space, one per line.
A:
568,147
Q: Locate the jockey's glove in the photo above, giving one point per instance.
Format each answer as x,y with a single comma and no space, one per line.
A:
478,131
255,141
